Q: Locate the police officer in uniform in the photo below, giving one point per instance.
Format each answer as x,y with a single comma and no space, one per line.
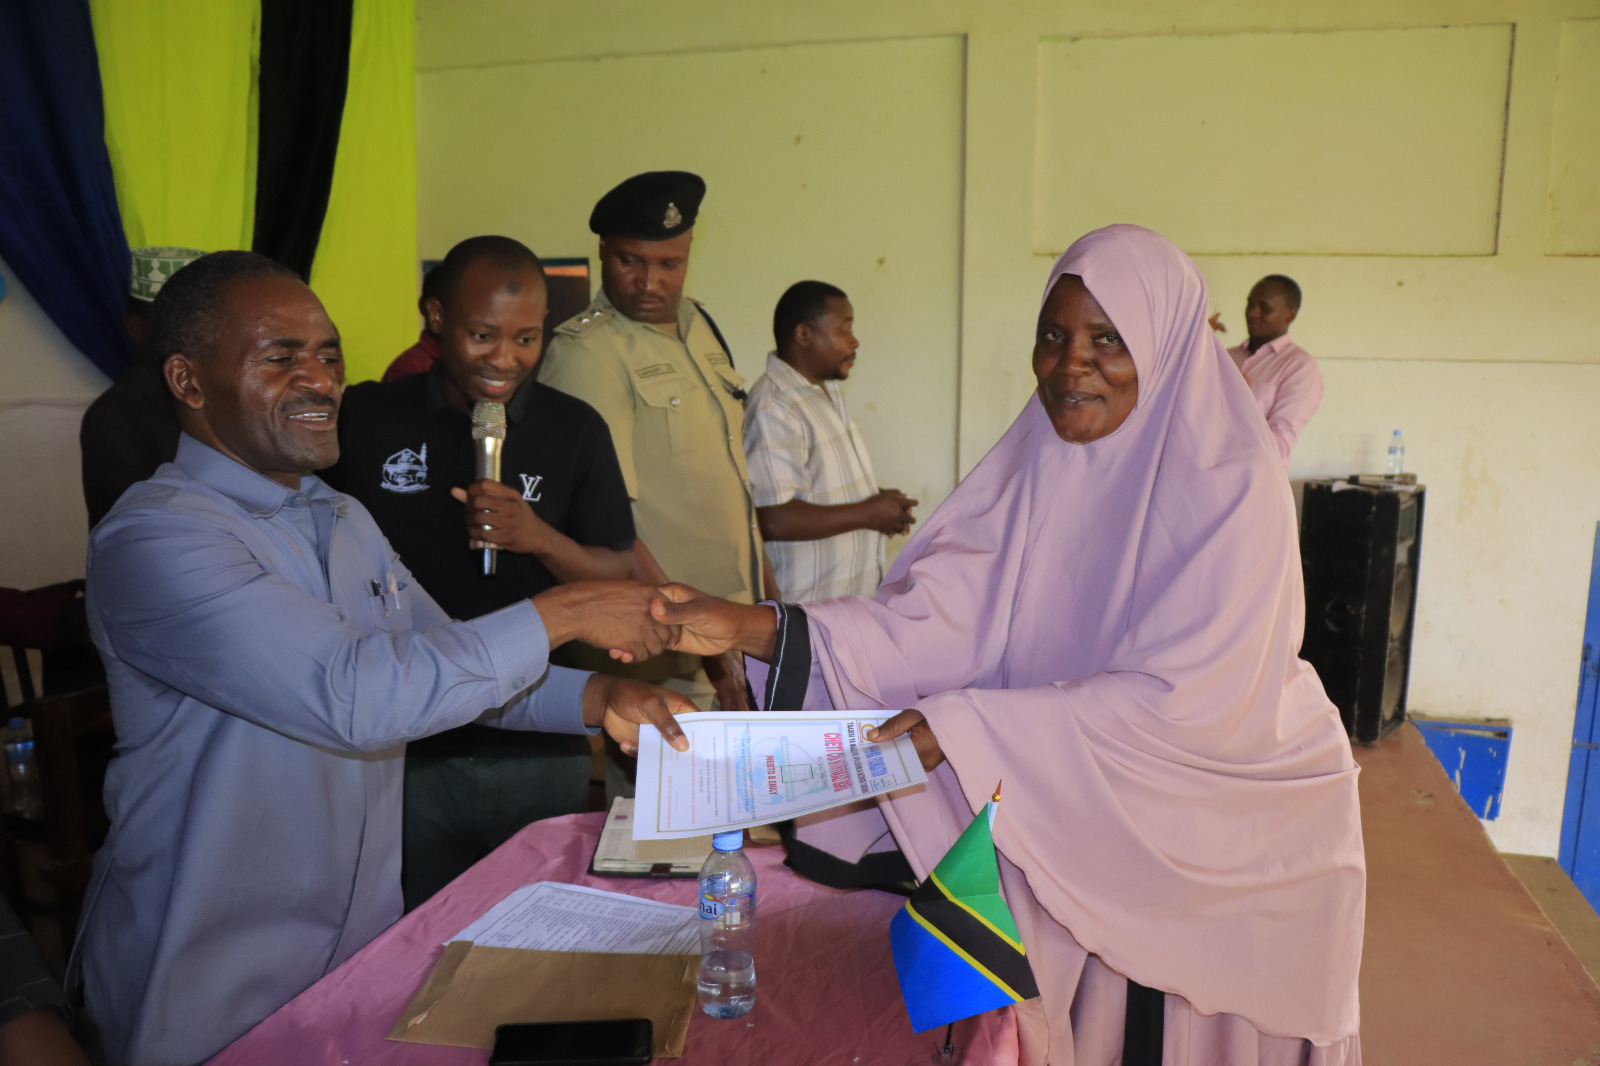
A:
654,366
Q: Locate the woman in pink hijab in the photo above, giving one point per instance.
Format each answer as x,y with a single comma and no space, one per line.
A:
1105,614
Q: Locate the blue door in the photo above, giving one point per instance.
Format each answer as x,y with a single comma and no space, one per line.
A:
1580,819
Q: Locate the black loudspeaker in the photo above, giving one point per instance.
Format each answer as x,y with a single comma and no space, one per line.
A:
1359,546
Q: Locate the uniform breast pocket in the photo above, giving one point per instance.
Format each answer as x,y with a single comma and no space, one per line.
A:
667,415
390,612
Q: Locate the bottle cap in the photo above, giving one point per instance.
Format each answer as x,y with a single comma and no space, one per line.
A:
728,841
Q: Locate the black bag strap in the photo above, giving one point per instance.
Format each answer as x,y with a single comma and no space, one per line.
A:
715,332
887,871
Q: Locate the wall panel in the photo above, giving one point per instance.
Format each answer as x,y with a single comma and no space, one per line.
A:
1361,142
1572,213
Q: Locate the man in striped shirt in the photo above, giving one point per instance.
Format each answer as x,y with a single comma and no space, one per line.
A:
822,515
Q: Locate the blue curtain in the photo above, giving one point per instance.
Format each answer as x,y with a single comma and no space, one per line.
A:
60,231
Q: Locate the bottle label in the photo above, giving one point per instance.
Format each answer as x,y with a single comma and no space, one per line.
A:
740,906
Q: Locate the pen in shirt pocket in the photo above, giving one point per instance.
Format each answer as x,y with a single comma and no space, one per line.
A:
385,589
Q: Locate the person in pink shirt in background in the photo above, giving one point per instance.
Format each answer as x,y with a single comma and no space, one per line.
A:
1282,375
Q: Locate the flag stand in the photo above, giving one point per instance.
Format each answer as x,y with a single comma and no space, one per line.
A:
957,951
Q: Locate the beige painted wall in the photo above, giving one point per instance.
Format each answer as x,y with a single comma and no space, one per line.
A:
797,174
45,384
1442,314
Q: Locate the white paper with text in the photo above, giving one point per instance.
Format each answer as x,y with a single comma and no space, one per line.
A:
552,916
751,769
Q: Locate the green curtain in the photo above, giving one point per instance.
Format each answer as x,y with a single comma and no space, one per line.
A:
366,265
180,97
179,83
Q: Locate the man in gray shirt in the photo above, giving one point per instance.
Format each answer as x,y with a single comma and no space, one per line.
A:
269,656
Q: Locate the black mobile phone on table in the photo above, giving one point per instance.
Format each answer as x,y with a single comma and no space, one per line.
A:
620,1042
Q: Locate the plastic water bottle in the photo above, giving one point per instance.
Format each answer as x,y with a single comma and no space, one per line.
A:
1397,455
727,929
27,798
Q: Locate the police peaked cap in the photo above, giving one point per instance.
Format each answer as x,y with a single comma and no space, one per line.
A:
654,206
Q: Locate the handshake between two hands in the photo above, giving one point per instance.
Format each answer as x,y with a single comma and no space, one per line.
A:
636,621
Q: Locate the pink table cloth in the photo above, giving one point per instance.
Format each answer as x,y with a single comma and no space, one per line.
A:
826,987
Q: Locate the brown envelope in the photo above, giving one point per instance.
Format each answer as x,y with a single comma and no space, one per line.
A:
472,989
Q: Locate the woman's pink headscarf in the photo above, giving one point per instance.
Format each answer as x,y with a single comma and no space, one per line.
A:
1112,630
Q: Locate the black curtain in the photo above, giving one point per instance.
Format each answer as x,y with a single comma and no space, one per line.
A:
60,230
305,67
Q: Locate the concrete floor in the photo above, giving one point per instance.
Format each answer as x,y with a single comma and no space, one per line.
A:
1462,967
1563,904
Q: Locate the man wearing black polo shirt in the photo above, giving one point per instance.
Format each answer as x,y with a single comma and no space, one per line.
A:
560,513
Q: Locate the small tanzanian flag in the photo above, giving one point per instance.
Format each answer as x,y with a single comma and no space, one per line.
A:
956,946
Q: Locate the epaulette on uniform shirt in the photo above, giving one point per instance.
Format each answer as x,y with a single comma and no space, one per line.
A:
583,324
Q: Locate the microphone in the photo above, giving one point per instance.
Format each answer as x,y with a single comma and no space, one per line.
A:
488,437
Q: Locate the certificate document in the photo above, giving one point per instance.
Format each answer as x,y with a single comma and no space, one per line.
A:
750,769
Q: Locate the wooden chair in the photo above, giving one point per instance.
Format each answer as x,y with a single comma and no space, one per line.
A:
51,621
73,740
72,745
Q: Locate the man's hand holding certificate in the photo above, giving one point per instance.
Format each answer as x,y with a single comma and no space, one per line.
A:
743,770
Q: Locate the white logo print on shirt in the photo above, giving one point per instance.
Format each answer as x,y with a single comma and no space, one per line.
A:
406,471
530,487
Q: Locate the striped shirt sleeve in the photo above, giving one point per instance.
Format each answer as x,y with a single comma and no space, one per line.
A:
776,448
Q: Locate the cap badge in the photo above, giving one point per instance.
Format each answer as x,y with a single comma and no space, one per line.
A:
673,218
